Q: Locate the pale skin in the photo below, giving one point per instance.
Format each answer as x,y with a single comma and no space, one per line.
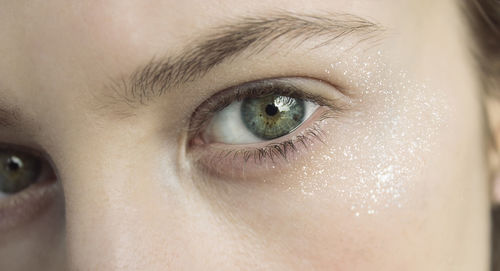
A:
129,194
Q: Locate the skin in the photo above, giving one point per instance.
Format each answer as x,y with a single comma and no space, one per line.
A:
131,197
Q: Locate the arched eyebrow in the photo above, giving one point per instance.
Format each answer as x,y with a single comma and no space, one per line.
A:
248,34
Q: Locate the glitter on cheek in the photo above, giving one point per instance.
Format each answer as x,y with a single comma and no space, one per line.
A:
372,156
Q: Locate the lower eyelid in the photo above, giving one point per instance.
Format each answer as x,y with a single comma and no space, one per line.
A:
27,204
252,160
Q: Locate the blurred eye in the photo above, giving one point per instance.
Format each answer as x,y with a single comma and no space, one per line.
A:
18,171
27,186
259,119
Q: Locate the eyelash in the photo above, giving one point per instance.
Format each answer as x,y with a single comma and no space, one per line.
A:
277,148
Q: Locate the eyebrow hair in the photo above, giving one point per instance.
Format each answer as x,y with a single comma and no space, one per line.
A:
9,117
226,42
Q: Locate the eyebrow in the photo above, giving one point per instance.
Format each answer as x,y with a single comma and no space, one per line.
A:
9,117
225,42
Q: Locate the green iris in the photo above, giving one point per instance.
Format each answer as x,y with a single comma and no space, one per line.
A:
18,170
272,116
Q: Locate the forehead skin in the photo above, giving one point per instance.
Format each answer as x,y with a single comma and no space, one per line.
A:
57,59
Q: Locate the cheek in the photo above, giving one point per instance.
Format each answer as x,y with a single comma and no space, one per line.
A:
377,155
379,190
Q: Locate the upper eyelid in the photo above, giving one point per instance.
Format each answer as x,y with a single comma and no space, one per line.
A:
283,85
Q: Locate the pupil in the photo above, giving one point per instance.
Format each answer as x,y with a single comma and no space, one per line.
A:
13,164
272,116
271,110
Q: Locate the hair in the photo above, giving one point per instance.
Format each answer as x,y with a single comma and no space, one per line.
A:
484,18
484,21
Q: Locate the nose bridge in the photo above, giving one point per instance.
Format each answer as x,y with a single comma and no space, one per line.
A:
112,201
98,208
90,219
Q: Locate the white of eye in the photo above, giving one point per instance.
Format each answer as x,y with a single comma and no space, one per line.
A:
227,125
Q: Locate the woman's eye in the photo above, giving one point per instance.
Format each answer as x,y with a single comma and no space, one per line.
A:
254,120
18,170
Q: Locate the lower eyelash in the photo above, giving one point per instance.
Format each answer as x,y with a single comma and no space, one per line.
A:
282,150
240,160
